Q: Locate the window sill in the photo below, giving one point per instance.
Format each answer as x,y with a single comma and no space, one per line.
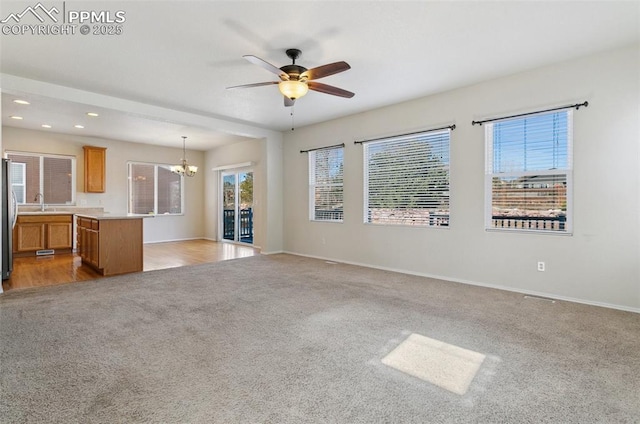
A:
522,231
156,215
384,224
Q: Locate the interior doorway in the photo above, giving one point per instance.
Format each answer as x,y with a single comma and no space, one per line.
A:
237,206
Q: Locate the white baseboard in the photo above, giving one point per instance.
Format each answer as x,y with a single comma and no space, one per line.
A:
168,241
208,239
275,252
476,283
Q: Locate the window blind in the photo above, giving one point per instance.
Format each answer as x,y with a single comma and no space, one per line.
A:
528,172
141,188
407,179
154,189
169,191
18,181
57,184
51,175
326,196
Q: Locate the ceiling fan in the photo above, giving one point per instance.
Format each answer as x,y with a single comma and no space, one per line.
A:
296,80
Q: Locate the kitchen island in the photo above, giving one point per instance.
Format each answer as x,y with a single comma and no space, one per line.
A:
111,244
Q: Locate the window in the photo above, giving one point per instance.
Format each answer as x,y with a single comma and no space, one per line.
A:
529,173
154,189
325,184
53,176
19,181
407,180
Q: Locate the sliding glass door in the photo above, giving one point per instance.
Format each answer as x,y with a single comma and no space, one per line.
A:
237,206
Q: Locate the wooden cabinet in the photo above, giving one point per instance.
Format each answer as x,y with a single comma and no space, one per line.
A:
29,236
59,234
95,162
83,246
111,246
93,240
34,233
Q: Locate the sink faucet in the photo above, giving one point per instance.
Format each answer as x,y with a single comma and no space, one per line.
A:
41,196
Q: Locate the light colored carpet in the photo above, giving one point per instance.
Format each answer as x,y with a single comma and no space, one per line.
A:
286,339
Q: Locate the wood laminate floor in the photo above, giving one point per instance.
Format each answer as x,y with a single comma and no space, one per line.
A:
68,268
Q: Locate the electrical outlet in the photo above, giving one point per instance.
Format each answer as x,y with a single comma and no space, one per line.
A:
541,266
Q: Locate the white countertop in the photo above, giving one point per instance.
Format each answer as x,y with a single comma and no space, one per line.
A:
86,214
106,215
31,213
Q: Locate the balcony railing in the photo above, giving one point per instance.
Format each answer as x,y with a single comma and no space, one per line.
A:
551,223
329,215
246,225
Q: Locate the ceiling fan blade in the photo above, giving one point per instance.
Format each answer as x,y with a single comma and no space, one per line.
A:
325,70
266,65
329,89
257,84
288,102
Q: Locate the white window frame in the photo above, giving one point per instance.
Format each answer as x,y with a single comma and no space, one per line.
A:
490,174
313,184
236,170
41,157
155,188
435,219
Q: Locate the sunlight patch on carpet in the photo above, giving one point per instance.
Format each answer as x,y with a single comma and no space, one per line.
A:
447,366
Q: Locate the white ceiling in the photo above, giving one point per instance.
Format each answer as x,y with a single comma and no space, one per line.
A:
181,55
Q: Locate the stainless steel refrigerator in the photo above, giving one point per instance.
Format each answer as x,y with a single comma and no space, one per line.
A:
9,216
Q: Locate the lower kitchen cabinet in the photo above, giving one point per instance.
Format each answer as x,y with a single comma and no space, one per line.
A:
37,233
110,246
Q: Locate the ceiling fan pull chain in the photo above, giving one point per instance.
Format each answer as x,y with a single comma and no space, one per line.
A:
292,122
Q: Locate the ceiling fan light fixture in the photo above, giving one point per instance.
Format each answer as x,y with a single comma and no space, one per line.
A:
296,81
293,89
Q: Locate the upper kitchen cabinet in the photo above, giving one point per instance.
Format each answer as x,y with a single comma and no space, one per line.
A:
94,169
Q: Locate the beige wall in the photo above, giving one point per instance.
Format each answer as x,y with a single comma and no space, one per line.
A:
265,154
598,264
114,200
227,157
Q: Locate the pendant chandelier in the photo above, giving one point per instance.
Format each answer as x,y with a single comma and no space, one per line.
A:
184,169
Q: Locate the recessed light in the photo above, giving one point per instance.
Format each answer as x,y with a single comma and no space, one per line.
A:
92,114
15,117
21,102
46,126
78,126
